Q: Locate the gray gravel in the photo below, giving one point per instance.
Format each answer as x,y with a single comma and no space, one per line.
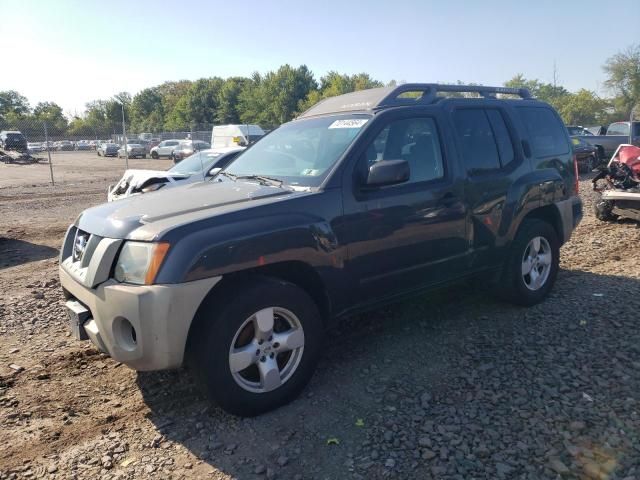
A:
451,385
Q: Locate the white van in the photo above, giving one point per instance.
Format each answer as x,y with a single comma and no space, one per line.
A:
235,135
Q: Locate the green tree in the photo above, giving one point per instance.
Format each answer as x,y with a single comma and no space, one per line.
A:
11,102
623,79
51,113
228,98
334,83
273,99
583,108
147,112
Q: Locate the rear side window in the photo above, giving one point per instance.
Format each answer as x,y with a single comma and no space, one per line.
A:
618,129
546,133
479,147
501,134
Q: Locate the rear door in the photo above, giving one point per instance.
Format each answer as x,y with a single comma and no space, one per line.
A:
486,142
403,237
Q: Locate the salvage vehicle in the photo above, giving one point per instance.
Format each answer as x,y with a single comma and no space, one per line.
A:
587,155
35,147
108,149
164,148
620,194
360,201
617,134
187,148
65,145
235,135
578,130
13,140
132,150
200,166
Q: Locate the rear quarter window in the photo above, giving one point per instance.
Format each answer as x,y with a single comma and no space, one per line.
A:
546,132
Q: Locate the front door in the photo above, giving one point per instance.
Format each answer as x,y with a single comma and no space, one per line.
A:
410,235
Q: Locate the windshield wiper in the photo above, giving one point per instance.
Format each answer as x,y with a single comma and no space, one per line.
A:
276,182
228,175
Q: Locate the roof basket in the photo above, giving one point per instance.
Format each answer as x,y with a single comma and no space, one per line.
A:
406,94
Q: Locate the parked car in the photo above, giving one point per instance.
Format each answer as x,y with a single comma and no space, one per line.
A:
578,130
164,148
65,145
617,134
83,145
93,144
200,166
108,149
35,147
235,135
13,140
586,154
134,150
363,199
187,148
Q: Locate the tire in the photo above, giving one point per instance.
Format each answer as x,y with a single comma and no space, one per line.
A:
529,289
590,164
154,155
232,323
98,153
603,210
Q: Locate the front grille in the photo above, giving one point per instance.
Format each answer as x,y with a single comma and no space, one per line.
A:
80,243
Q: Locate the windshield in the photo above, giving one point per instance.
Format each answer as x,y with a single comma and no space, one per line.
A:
196,163
300,152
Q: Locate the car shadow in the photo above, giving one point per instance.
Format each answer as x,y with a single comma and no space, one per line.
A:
16,252
376,369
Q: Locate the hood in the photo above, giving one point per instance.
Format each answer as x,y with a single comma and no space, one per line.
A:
155,212
134,180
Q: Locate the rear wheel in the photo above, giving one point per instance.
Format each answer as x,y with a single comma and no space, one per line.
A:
256,351
154,155
532,263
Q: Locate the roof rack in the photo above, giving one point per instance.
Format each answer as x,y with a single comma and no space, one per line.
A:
376,98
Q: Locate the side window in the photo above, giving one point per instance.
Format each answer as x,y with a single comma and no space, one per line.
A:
503,139
414,140
618,129
479,147
546,133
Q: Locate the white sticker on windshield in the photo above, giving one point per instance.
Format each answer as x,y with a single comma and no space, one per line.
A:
350,123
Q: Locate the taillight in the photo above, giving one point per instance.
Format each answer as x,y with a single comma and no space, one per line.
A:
576,185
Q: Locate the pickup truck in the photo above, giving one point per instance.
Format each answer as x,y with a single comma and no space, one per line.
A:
363,199
617,134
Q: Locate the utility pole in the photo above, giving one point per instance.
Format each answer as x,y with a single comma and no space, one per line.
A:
124,135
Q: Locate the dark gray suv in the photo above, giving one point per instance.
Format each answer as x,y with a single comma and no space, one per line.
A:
360,201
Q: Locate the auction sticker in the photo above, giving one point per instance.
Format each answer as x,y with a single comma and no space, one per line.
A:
350,123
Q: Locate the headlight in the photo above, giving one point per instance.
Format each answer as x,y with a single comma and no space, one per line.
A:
139,262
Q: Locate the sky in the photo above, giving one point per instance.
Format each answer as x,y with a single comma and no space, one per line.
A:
72,52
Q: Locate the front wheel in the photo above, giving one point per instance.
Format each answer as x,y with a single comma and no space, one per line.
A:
532,263
154,155
256,351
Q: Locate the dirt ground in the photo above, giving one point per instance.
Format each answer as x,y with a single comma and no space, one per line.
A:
451,385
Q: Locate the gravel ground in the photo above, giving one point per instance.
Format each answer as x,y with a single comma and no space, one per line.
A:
451,385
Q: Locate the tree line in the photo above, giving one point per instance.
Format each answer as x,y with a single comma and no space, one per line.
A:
278,96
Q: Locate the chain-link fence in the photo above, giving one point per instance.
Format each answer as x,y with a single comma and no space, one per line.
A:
30,141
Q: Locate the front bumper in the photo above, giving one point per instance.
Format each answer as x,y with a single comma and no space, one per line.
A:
142,326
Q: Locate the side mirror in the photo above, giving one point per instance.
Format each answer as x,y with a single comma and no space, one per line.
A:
214,171
388,172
